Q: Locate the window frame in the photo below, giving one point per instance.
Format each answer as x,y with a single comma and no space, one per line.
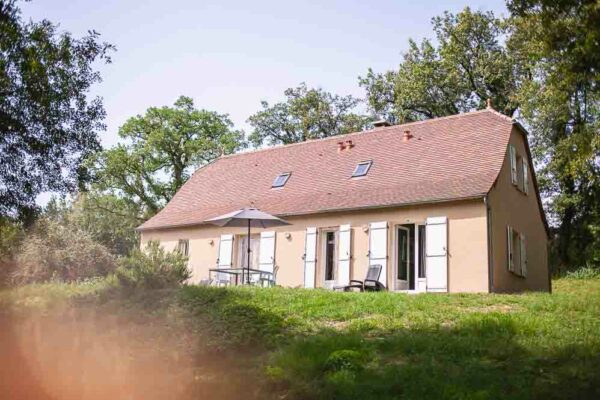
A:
368,163
516,252
183,244
282,184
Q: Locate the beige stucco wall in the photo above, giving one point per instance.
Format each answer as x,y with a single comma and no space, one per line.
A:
510,206
467,242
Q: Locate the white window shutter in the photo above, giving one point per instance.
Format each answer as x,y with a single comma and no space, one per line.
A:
523,252
378,241
225,251
225,254
436,253
513,164
310,257
344,254
525,176
267,251
510,258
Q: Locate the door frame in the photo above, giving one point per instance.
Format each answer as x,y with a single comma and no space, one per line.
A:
323,249
420,283
397,282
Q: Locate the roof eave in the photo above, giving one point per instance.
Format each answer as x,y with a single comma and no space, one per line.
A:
329,211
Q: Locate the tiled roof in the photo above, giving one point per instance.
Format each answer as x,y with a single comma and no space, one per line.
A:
447,158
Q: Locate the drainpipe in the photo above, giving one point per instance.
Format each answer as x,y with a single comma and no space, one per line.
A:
488,219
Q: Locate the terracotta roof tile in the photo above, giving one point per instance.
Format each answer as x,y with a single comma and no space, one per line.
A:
447,158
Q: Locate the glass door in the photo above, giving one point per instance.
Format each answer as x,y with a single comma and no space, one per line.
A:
402,258
330,258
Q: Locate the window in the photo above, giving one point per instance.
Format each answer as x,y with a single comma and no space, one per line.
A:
281,180
513,165
517,252
519,170
183,247
361,169
524,181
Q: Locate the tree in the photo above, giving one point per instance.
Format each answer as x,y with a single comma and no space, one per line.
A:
47,123
468,66
306,114
558,45
107,219
159,152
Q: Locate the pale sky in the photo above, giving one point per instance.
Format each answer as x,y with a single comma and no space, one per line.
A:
229,55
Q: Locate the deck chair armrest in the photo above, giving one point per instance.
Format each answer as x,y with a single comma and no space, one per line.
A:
356,281
375,283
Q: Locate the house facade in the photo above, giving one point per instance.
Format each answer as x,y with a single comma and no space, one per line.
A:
445,205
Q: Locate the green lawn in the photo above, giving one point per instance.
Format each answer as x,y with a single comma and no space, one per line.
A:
318,344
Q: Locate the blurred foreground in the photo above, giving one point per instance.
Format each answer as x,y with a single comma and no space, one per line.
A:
80,354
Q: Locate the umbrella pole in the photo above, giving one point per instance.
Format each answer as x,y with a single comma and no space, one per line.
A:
248,248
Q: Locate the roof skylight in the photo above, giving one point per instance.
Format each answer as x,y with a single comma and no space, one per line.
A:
281,180
362,168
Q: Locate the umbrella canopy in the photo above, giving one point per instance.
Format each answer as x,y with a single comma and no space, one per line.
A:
247,217
240,218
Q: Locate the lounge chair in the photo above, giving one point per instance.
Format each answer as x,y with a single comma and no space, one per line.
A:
370,284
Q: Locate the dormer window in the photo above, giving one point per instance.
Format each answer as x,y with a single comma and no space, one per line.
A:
362,168
281,180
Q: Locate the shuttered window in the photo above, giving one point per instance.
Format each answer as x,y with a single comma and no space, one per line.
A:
525,176
183,247
516,252
514,178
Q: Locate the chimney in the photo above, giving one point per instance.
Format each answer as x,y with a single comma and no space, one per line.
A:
380,123
489,104
406,136
349,144
341,146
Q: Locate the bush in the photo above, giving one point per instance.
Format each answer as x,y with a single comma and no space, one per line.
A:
349,360
53,251
11,234
583,273
153,268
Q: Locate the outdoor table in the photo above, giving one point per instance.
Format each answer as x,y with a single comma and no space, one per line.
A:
236,271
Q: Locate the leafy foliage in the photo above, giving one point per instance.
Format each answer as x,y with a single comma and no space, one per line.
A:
11,235
160,148
54,250
153,268
557,44
306,114
468,66
47,123
109,220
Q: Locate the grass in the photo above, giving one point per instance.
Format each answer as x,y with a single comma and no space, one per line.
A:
324,345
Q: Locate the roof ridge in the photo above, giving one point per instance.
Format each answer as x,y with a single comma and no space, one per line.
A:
380,129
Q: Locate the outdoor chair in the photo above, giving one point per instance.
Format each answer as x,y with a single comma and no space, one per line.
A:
370,284
268,279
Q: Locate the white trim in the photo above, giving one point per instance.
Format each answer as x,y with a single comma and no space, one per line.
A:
310,257
344,254
382,256
437,254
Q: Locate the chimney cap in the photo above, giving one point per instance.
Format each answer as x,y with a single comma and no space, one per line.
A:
381,123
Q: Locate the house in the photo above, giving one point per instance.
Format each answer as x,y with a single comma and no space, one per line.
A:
444,205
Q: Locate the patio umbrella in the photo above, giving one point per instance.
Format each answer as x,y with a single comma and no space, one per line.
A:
247,217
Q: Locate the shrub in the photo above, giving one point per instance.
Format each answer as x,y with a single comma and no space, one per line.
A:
349,360
583,273
153,268
53,251
11,234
